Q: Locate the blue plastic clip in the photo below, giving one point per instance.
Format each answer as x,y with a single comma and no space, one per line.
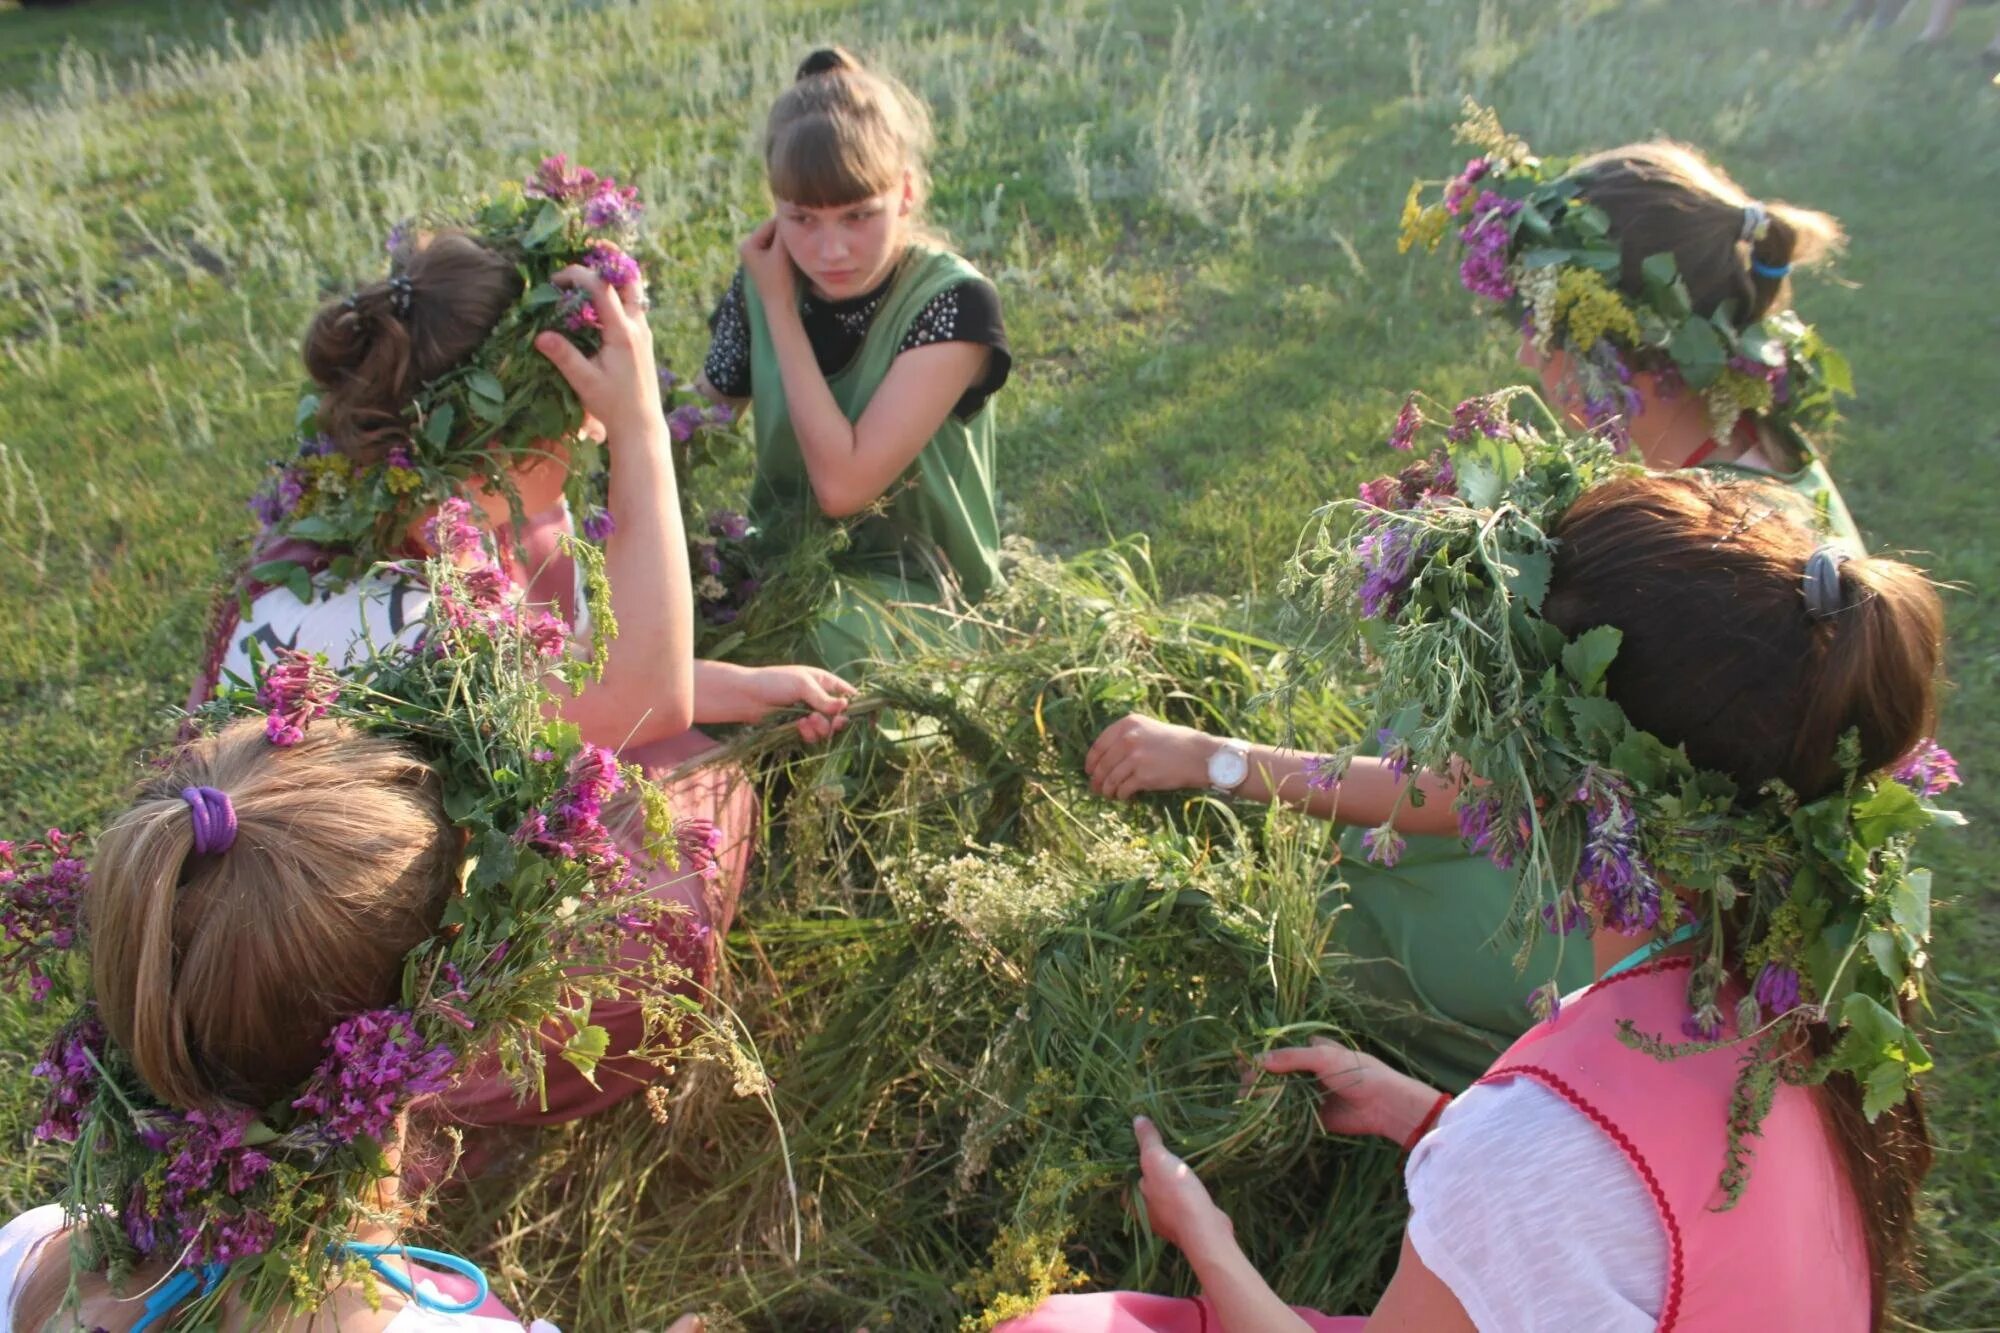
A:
465,1268
183,1284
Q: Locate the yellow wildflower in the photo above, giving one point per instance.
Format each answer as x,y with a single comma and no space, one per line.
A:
1589,309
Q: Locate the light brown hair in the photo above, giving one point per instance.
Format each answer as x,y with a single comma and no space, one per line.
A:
1704,578
1666,198
369,352
843,133
220,975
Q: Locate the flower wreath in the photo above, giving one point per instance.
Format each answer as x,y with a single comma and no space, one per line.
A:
1449,563
1533,246
258,1199
490,413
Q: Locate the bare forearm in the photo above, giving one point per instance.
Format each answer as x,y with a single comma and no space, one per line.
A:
722,693
826,437
647,691
1365,794
1243,1301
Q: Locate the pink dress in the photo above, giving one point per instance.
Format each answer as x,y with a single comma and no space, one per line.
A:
1790,1254
377,612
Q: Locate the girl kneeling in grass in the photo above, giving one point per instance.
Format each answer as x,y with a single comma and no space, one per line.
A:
375,483
1714,708
869,355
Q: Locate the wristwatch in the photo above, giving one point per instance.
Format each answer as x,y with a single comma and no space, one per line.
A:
1228,767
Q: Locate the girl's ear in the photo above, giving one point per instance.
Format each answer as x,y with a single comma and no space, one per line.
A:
909,200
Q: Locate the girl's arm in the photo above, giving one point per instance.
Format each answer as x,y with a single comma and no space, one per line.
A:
714,395
1140,754
647,691
726,692
852,463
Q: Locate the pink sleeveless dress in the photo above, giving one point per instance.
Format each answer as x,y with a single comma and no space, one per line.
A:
1790,1255
719,795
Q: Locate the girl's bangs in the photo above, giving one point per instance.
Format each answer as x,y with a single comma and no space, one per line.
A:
813,164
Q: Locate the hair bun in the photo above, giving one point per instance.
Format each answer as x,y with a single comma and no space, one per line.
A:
826,60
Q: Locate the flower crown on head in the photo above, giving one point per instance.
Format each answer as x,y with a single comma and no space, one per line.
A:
1442,571
1531,243
259,1197
493,412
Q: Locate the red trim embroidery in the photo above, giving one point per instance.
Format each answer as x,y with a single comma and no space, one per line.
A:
1670,1309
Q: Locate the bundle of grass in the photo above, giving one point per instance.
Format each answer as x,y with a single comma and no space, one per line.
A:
963,977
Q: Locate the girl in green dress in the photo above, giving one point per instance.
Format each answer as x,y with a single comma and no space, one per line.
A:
868,355
1650,294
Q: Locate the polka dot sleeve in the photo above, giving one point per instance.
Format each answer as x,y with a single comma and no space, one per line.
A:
966,313
728,363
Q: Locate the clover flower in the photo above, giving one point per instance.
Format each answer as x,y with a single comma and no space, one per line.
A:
612,264
1928,770
376,1063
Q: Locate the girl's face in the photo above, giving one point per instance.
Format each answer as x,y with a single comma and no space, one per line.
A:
847,249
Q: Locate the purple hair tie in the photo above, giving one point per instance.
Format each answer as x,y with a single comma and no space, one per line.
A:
214,819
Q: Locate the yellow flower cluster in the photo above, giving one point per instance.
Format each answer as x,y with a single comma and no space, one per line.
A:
321,477
1587,309
1481,129
1752,392
1420,225
401,480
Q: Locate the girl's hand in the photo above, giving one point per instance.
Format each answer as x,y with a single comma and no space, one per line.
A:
826,694
620,386
1177,1204
1363,1095
769,265
1138,754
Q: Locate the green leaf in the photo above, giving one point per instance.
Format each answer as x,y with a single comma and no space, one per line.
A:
1911,907
1597,720
1641,757
1530,579
1834,369
308,409
1887,1082
437,430
370,1153
1888,958
498,857
585,1047
1546,256
1659,270
274,572
300,584
1486,468
1699,352
547,223
313,528
1759,345
1589,656
542,294
1590,220
1891,810
484,384
1878,1031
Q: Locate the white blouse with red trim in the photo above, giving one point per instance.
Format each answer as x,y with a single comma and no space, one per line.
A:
1532,1216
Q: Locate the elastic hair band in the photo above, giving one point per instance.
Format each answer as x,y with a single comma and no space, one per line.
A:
214,819
402,292
1754,221
1772,271
1821,585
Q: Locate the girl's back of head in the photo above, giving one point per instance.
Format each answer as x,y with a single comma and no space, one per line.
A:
843,133
1732,251
221,974
1726,652
368,352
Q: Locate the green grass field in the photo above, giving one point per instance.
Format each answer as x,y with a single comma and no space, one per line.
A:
1190,213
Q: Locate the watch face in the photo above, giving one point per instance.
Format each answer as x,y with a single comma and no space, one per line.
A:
1228,768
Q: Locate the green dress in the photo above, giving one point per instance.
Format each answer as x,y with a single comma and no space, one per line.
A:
1435,938
940,527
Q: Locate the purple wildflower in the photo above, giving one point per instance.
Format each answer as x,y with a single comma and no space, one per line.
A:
1477,416
1388,559
1704,1024
70,1065
1545,1002
295,689
700,844
748,588
667,379
1487,238
578,312
1612,874
1384,846
376,1063
612,207
1395,754
452,533
1321,772
721,414
728,525
573,827
1483,829
276,500
598,525
1565,915
41,899
399,458
1408,422
612,264
228,1238
556,179
398,236
319,446
1777,989
682,423
1459,189
1928,770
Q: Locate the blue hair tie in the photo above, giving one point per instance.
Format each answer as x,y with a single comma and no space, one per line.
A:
1772,271
464,1268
